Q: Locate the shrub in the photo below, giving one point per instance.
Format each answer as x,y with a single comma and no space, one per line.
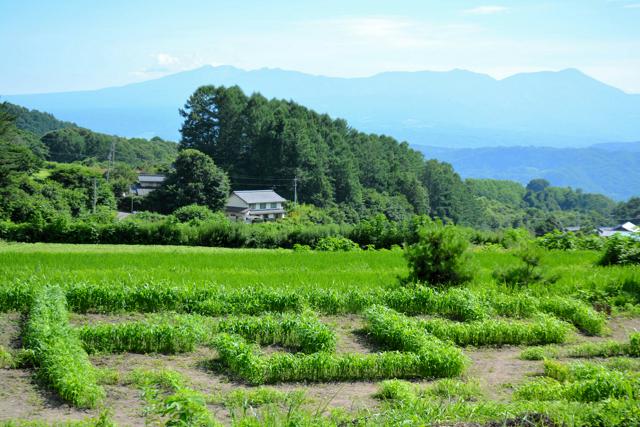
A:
336,244
439,257
525,274
193,213
620,250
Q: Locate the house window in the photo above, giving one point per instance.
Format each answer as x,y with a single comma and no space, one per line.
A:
274,206
252,205
263,206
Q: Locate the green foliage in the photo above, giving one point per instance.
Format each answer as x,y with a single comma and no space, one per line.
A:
156,335
168,396
396,390
246,361
621,250
78,144
6,358
336,244
187,408
396,331
525,274
194,213
545,330
275,140
539,353
34,121
439,257
195,179
62,362
581,315
608,348
581,383
568,241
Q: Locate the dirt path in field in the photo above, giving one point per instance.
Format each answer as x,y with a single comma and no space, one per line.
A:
10,330
500,370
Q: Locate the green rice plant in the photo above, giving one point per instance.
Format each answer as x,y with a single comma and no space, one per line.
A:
451,389
6,358
16,297
539,353
518,305
159,334
556,370
304,332
187,408
498,332
398,332
247,362
607,348
250,301
102,420
396,390
580,383
167,395
179,333
455,303
581,315
260,396
61,360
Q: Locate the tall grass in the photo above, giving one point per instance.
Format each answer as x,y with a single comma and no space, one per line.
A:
398,332
62,362
247,362
179,333
581,383
159,334
498,332
608,348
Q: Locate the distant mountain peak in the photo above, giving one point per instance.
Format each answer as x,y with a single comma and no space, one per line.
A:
455,108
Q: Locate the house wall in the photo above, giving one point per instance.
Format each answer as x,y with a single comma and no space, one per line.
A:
236,201
264,206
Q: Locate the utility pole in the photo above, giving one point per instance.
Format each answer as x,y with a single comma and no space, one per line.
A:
111,158
95,194
295,190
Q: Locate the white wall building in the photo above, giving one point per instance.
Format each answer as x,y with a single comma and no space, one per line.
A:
250,205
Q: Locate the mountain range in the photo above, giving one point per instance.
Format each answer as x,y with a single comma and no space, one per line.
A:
453,109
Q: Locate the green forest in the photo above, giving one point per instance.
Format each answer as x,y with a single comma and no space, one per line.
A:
53,171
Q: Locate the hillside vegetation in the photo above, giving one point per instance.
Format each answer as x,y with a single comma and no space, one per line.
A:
349,176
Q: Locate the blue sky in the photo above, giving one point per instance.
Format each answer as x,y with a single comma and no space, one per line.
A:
50,46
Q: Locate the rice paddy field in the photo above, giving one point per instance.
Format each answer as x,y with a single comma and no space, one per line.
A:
156,335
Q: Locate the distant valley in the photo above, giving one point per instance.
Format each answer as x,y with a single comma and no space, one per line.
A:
612,169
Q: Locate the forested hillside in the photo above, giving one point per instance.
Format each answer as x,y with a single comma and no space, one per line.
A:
34,121
72,144
267,143
65,142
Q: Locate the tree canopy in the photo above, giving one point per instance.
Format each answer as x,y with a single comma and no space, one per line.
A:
195,180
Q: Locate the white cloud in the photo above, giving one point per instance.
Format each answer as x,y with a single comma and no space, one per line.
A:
164,63
485,10
165,60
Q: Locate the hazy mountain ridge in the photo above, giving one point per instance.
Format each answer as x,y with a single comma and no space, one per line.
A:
611,169
454,109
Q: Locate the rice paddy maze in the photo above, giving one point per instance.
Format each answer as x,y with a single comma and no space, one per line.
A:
133,335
